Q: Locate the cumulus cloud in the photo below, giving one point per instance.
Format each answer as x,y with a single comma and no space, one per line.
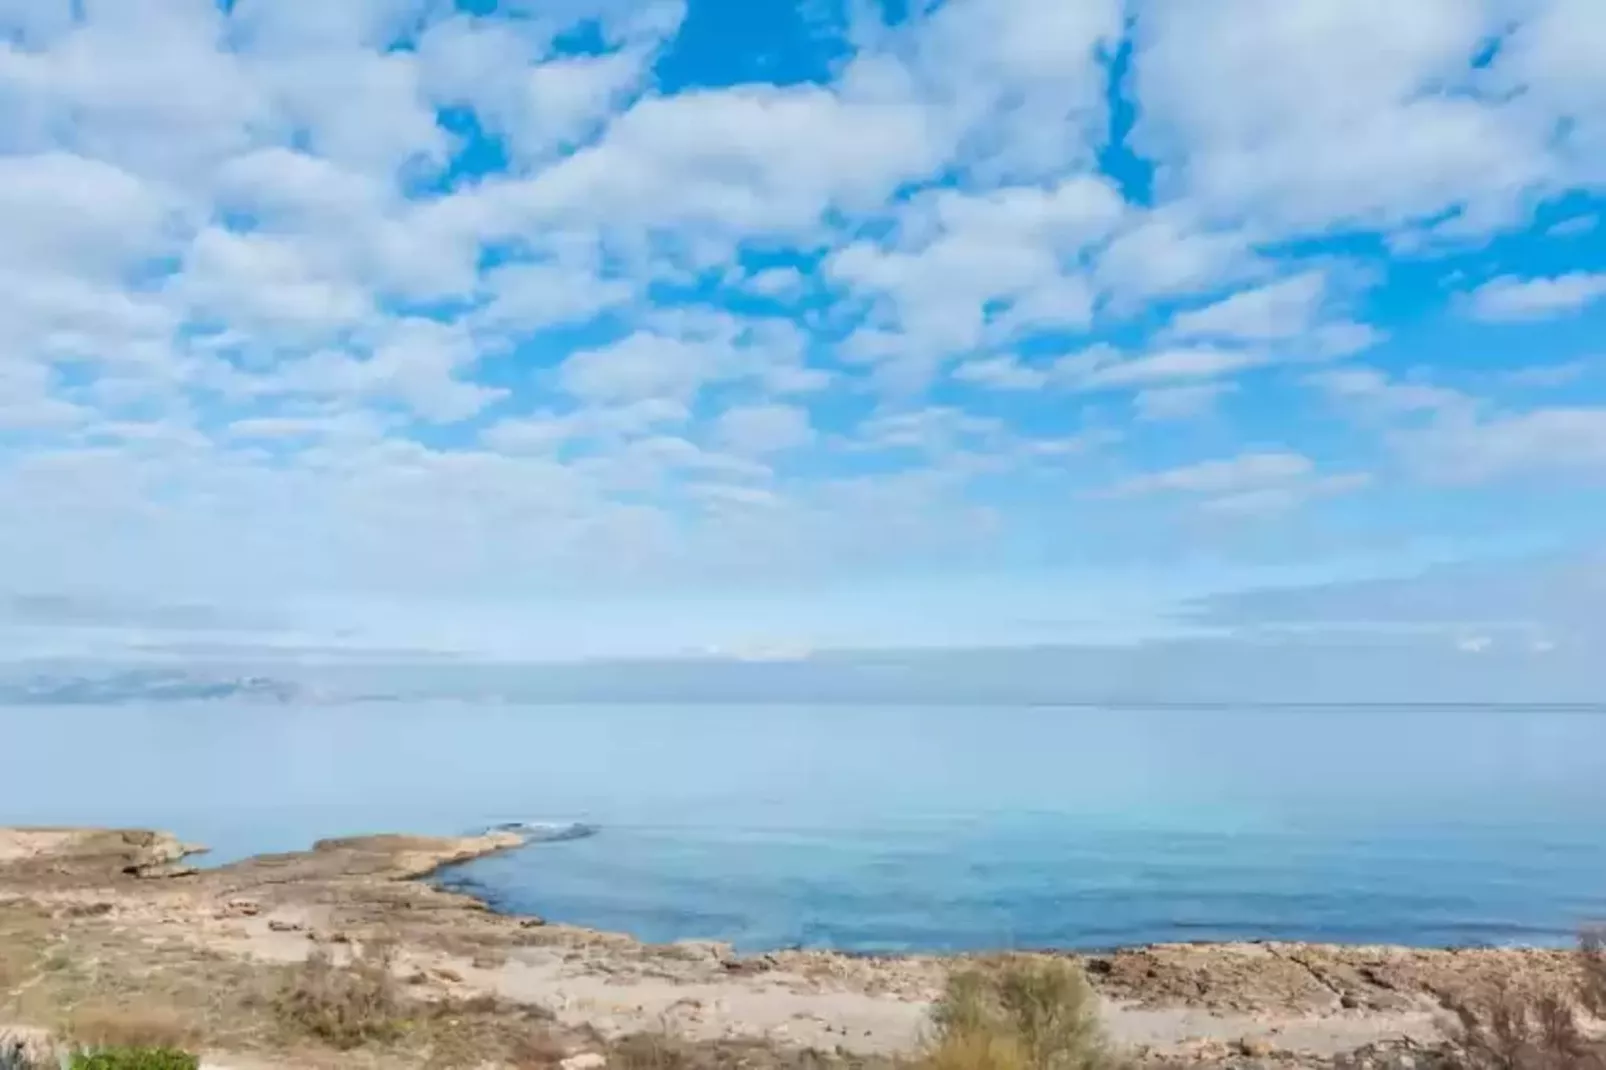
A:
1508,298
1291,116
395,302
1248,484
1551,441
1180,402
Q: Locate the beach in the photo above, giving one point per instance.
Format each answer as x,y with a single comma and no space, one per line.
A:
134,902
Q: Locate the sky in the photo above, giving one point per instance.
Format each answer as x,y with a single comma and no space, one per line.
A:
639,328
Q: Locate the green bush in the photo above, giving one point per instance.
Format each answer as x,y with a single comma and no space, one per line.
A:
1022,1014
135,1059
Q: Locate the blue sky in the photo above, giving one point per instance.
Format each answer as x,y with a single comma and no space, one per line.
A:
646,327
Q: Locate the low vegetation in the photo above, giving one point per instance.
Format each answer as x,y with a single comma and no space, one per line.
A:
343,1005
17,1053
134,1059
1506,1029
1020,1013
126,1028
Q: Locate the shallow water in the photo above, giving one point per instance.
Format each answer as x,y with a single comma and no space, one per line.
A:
896,828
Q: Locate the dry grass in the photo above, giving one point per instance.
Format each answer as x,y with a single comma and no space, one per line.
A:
134,1025
1592,972
660,1050
537,1049
1019,1013
344,1006
473,1032
1507,1029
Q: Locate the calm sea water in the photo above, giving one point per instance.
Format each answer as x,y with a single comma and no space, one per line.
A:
896,828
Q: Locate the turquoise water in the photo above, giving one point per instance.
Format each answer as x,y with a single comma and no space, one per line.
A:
896,828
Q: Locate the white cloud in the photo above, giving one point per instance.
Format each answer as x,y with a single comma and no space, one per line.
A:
1166,253
1371,391
1291,312
1248,484
1549,62
1017,88
547,432
537,102
1001,373
1290,115
1545,376
530,296
968,269
1163,366
1511,299
1469,450
267,287
1273,312
70,213
644,365
1245,472
273,323
758,430
753,159
779,283
1180,402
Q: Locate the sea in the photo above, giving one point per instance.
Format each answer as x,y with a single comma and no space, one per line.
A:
893,828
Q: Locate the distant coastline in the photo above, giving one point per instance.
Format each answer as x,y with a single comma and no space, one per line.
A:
162,684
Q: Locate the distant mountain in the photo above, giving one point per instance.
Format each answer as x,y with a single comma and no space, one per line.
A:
147,685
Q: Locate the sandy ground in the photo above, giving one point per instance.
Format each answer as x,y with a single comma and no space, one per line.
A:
791,1006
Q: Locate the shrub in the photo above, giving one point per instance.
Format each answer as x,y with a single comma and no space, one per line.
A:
1508,1029
344,1006
149,1027
1020,1014
1592,968
135,1059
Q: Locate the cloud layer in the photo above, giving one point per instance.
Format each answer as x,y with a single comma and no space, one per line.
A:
363,317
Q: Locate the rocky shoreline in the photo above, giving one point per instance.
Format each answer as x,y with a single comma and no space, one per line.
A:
1269,1003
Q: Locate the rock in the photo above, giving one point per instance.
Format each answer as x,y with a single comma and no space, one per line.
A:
702,950
1203,1050
586,1060
280,925
28,1047
1254,1047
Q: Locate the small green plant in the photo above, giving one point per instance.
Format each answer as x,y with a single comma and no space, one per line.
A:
134,1059
1021,1014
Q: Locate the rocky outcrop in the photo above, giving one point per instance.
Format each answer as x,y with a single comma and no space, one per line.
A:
46,857
1317,978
